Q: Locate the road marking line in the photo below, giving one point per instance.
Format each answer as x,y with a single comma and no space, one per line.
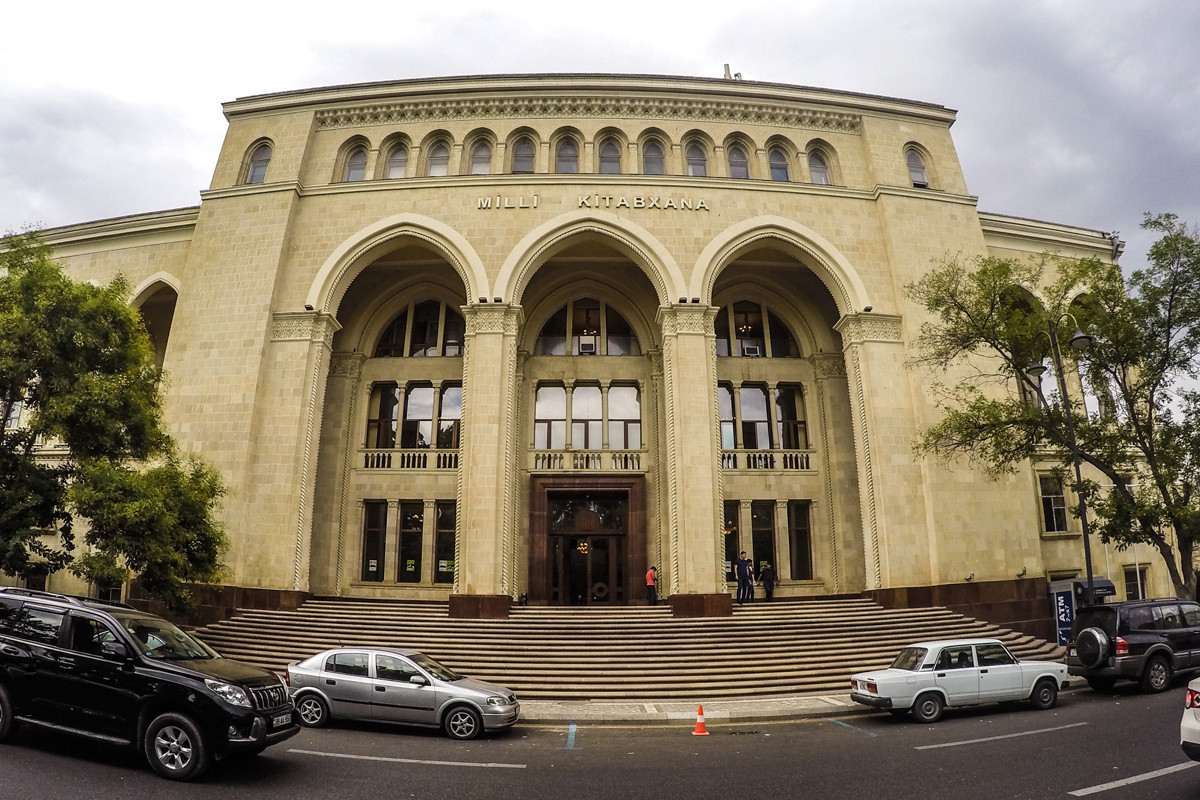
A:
1158,773
832,701
571,736
489,765
995,738
851,727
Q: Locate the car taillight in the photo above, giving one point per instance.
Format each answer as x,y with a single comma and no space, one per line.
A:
1122,647
287,677
1191,699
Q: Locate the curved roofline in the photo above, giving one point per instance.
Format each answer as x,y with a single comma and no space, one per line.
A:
649,83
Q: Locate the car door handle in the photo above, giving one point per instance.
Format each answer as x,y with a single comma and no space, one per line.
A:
330,682
9,650
381,688
983,672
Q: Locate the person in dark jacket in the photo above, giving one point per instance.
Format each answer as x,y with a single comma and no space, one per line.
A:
766,576
745,578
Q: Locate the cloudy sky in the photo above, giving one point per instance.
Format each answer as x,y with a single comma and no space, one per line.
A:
1085,113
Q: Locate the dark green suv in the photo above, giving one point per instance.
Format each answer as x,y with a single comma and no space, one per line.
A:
111,673
1146,641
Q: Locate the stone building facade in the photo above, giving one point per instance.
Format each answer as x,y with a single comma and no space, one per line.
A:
511,338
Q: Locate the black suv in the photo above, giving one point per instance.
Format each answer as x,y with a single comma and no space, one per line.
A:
115,674
1140,640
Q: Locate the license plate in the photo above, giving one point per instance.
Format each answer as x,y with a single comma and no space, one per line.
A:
281,721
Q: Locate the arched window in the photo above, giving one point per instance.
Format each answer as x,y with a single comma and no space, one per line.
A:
779,165
916,169
356,165
739,166
610,158
742,325
818,168
256,172
436,329
523,155
397,163
481,159
697,162
439,161
652,159
567,157
595,329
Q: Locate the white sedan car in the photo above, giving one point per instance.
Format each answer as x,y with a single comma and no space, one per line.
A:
928,676
1189,726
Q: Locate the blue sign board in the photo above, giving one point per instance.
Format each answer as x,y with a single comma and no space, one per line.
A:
1064,614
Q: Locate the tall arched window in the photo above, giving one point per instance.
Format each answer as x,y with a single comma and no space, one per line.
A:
742,325
818,168
610,158
594,329
256,172
523,155
481,159
356,165
439,161
779,165
436,329
916,169
697,162
566,158
397,163
739,166
652,159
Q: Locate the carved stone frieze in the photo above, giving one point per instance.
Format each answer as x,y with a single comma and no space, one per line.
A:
601,107
869,328
492,320
686,319
347,365
310,326
829,365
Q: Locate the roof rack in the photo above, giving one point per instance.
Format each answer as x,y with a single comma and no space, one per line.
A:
63,598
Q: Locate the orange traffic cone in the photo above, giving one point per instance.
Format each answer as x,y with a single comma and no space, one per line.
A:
700,729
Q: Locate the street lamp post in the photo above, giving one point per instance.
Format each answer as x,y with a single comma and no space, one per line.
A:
1080,341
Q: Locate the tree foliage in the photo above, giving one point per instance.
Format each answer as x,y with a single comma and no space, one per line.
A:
993,317
78,360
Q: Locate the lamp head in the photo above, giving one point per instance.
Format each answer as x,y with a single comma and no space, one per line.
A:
1036,369
1080,340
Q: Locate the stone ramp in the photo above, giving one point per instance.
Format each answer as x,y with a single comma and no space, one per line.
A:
635,652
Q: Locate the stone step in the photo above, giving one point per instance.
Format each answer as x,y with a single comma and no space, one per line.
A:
763,649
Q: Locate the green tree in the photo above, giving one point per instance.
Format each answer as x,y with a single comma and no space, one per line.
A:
77,362
991,318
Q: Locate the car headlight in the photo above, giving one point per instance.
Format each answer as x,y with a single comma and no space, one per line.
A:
231,694
497,701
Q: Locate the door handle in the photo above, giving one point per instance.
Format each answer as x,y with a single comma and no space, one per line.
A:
381,688
330,682
983,672
9,650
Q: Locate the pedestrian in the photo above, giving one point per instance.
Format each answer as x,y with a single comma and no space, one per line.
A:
745,580
651,588
766,577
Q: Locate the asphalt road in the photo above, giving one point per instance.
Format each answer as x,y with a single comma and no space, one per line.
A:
1108,747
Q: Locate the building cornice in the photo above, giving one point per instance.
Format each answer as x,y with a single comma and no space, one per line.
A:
1036,236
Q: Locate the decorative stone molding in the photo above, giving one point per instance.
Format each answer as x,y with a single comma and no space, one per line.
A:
492,320
690,319
310,326
347,365
829,365
600,107
867,327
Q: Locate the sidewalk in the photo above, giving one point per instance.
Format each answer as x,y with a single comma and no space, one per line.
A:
674,711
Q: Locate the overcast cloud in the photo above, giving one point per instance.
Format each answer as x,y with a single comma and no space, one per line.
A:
1085,113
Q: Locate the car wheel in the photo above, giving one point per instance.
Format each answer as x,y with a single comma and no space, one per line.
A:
1157,676
1045,694
175,748
1092,647
314,713
463,722
6,714
928,707
1102,684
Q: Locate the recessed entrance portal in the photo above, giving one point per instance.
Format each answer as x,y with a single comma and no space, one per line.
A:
587,540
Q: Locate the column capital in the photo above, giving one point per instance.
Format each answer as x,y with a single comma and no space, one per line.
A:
675,320
828,365
347,365
298,326
864,327
504,319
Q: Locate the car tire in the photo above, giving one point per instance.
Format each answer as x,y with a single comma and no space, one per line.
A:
175,748
313,711
1092,647
1157,675
928,708
1045,694
1102,684
6,714
462,722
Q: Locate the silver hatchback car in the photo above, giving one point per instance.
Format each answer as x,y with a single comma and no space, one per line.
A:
383,684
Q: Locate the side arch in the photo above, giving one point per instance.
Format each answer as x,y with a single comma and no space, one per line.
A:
151,285
808,246
634,241
352,255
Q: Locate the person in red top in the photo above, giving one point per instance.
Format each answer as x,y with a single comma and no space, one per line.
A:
651,588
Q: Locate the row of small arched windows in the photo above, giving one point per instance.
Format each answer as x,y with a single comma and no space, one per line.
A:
566,161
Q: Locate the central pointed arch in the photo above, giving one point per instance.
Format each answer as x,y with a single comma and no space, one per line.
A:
627,237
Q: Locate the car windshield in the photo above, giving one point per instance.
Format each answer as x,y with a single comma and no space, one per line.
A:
160,639
439,671
910,659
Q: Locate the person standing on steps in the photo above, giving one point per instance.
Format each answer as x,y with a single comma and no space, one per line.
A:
745,581
766,576
651,586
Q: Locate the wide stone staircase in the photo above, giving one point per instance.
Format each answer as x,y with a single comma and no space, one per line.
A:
637,652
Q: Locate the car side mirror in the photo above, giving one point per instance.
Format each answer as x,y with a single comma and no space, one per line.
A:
114,649
418,679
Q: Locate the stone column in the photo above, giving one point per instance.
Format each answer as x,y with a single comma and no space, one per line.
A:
830,372
487,470
692,454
